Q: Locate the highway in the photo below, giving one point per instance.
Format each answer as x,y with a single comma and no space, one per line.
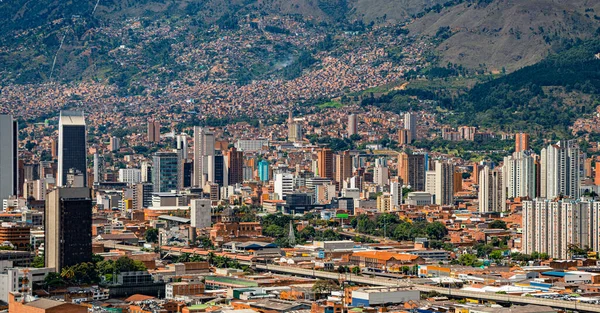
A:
558,304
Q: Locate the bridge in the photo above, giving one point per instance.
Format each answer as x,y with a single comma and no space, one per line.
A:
388,282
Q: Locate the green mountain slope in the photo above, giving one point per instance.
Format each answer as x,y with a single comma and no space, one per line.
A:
492,34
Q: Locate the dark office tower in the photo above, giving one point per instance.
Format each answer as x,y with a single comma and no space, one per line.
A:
142,195
71,145
68,227
165,171
154,131
235,160
220,170
187,170
9,164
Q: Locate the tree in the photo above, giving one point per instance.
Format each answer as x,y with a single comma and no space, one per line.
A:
496,255
151,235
468,259
436,230
355,270
498,224
38,261
125,264
53,280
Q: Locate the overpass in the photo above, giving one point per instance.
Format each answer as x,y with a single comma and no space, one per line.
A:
388,282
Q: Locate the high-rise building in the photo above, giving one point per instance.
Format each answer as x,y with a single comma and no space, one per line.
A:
98,167
9,157
284,185
560,170
200,213
404,137
519,175
444,183
521,142
410,124
467,132
182,146
553,226
352,125
146,172
263,170
220,170
165,171
411,168
597,174
204,148
71,145
381,173
68,227
114,144
396,194
130,175
154,131
235,166
295,132
325,163
343,166
142,195
491,195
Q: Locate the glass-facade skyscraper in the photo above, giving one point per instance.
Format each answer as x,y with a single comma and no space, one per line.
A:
165,171
72,152
263,170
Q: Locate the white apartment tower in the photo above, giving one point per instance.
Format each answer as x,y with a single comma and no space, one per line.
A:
492,197
204,148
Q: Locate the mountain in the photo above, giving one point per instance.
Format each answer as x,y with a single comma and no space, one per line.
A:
495,34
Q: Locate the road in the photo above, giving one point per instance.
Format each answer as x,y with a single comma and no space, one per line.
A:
559,304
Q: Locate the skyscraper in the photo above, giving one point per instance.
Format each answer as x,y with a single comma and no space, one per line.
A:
325,163
352,125
295,132
165,171
68,227
9,157
381,173
521,142
204,147
263,170
235,166
71,146
404,137
553,226
491,195
182,146
410,124
444,183
343,167
154,131
411,168
560,167
519,175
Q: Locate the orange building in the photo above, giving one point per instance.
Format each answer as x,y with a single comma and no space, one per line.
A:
383,260
521,142
16,305
18,235
224,232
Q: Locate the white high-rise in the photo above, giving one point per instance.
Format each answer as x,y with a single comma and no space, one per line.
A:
284,184
519,175
553,226
491,195
410,124
380,173
130,175
204,148
8,157
444,183
560,173
396,194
